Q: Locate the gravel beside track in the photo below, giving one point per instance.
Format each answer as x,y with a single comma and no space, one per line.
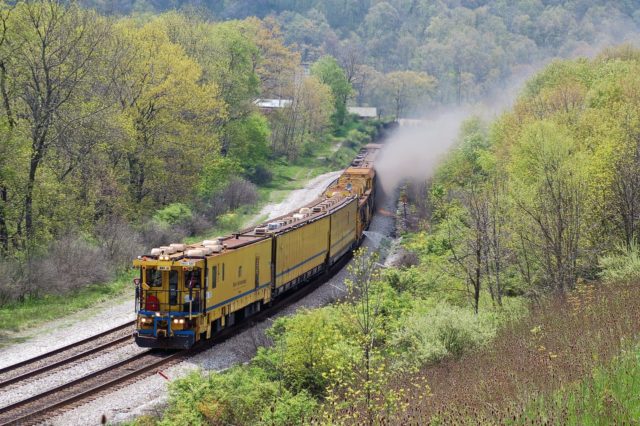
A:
71,329
73,388
30,368
149,395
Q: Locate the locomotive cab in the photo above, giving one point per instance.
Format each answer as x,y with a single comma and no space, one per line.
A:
170,298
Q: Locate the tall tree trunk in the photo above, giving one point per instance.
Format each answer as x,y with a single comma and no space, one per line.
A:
39,145
4,233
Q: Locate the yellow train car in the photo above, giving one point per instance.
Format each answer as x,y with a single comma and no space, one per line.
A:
301,252
188,292
343,230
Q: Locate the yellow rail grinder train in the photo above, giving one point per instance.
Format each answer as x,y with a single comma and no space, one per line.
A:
188,292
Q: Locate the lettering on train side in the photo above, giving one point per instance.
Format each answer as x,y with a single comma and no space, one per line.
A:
239,283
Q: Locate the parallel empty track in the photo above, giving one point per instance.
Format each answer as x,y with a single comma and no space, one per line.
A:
40,364
31,409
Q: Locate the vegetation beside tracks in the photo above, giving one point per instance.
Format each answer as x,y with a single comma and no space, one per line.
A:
517,299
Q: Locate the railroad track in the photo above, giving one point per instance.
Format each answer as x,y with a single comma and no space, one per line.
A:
38,365
33,409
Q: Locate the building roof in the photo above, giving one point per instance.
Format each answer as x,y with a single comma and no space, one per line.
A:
364,112
272,103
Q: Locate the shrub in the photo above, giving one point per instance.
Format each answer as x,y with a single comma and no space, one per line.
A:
429,335
172,214
294,410
261,175
69,264
622,267
307,347
156,235
11,283
243,395
239,192
119,242
196,224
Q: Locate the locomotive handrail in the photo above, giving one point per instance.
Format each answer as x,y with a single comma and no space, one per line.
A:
166,301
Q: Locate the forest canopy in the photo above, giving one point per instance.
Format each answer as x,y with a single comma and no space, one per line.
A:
108,123
469,47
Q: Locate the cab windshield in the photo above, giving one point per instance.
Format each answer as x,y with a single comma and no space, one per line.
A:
154,278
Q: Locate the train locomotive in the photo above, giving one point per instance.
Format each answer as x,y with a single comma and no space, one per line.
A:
189,292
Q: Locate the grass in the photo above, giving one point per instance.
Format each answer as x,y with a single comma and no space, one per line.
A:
610,395
562,342
20,316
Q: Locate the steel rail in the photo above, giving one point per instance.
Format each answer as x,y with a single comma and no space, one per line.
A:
21,418
65,348
68,360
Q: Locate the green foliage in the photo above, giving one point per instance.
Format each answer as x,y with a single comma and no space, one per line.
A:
217,174
433,332
238,396
623,266
330,73
172,214
306,349
604,397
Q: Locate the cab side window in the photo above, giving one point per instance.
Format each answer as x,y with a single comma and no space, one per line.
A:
154,278
192,279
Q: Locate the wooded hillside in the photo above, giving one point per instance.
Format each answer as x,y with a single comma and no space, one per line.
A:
470,47
149,122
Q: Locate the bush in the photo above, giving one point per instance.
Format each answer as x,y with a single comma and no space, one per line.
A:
429,335
119,242
261,175
69,264
241,396
623,267
239,192
196,224
11,283
355,138
155,235
172,214
307,347
294,410
236,193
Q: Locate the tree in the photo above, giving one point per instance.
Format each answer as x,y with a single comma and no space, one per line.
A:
329,72
308,114
469,240
364,386
54,58
550,192
401,91
169,115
